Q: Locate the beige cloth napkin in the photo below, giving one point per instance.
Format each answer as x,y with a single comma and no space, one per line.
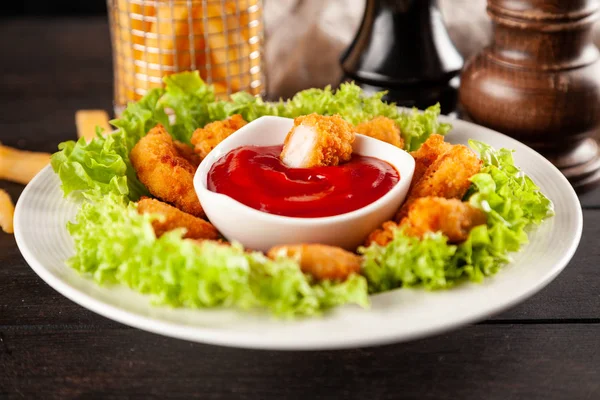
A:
305,38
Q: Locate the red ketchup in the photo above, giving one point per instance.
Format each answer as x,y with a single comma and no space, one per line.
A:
256,177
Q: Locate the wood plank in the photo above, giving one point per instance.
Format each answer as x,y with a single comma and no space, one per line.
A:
479,362
575,294
41,123
55,55
590,199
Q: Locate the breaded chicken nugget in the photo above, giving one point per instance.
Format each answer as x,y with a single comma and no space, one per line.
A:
383,235
448,177
319,260
187,152
172,218
207,138
452,217
317,141
382,128
165,171
429,151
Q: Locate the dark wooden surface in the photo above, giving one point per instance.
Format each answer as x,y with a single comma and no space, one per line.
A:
548,347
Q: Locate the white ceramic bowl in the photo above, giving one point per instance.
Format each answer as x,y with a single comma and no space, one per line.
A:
260,231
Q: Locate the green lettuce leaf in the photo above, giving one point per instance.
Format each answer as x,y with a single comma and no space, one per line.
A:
194,105
512,203
102,165
116,245
189,98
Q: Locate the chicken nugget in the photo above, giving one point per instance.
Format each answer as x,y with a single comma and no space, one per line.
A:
319,260
317,141
382,128
451,217
187,152
448,177
429,151
165,171
207,138
383,235
173,218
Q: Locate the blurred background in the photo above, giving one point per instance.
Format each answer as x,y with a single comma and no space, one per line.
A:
304,51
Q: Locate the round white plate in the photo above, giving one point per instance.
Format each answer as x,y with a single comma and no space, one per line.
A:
403,314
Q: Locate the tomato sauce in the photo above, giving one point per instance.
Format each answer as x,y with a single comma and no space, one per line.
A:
256,177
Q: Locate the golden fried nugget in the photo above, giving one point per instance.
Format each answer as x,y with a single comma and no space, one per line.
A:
383,235
382,128
207,138
187,152
165,171
316,141
319,260
448,177
451,217
7,211
429,151
173,218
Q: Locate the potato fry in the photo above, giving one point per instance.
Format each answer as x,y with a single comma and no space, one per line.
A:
19,165
86,122
213,38
7,211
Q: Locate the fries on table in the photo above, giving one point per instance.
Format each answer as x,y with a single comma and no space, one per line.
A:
19,165
86,122
7,210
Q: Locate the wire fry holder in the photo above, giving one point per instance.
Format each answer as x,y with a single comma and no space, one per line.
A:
151,39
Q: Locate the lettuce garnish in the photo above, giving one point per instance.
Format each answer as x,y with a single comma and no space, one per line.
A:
116,245
512,203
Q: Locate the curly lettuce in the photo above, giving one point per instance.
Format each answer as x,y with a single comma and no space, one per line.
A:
102,166
116,245
512,203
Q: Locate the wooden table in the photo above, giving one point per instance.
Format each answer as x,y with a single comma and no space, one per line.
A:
546,348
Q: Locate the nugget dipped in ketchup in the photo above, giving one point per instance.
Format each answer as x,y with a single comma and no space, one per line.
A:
318,141
331,180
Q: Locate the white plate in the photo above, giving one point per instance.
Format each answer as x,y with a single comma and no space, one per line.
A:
42,213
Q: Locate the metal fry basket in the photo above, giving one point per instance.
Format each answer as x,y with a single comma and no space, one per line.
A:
222,39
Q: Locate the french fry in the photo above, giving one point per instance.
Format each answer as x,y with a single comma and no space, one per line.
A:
7,210
161,38
19,165
86,122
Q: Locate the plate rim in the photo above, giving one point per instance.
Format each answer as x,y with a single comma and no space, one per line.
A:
231,338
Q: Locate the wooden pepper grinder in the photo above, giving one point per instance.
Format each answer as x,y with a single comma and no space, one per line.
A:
403,47
539,82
